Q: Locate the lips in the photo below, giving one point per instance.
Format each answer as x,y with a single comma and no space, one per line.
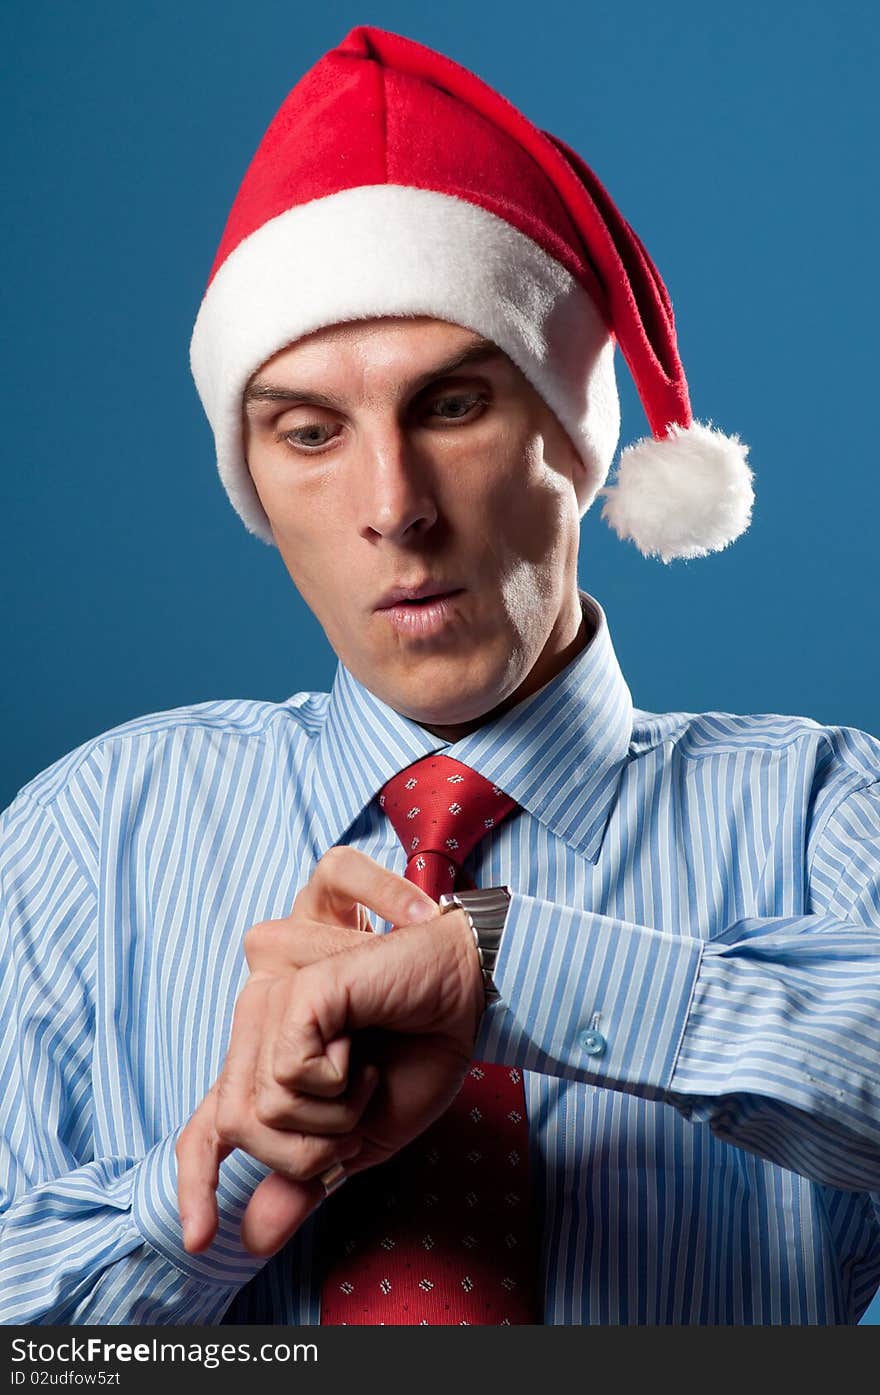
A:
413,595
426,613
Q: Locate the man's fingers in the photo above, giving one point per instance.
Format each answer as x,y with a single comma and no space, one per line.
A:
279,1108
209,1136
276,1211
328,915
301,1061
258,1011
279,1206
277,946
345,879
199,1155
327,1059
298,1156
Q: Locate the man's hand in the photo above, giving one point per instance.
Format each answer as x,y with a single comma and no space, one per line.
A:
295,1091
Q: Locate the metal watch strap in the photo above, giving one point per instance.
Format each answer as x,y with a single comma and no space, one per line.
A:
486,911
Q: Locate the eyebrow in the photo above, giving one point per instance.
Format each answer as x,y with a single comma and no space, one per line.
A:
481,351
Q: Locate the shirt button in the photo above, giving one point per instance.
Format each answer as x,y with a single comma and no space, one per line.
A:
593,1043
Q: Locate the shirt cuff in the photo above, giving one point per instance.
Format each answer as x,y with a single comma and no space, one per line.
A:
589,997
154,1210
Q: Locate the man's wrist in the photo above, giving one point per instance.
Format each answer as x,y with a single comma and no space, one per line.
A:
485,910
457,926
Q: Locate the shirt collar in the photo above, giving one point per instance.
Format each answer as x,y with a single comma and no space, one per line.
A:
559,753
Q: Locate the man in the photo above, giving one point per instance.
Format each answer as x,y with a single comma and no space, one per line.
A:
631,1074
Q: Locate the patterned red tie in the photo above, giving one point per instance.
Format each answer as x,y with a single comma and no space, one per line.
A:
441,1234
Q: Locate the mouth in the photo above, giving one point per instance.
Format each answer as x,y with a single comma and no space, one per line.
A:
420,611
420,595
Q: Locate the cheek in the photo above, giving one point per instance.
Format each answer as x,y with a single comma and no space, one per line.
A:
302,505
318,558
310,532
533,512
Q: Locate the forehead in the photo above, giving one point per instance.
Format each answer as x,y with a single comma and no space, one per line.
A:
401,347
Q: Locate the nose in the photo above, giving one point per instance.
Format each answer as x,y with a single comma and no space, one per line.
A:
395,489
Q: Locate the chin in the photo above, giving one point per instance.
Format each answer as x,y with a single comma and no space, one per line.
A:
452,704
443,714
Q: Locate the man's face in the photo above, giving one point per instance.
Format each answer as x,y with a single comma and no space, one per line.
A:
426,512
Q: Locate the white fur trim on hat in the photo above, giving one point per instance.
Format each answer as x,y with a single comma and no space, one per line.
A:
684,496
385,250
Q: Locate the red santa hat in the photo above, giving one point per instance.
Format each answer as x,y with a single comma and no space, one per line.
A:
394,182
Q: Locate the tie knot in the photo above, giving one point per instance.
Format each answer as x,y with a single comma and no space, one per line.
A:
440,806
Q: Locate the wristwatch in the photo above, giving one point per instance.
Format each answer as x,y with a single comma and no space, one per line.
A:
486,911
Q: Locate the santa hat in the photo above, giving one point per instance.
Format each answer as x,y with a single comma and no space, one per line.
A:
394,182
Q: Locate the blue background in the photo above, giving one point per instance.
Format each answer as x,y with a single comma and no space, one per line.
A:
738,140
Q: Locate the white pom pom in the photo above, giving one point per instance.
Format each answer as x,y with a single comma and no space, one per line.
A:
684,496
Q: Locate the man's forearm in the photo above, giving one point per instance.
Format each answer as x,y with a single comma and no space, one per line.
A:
749,1033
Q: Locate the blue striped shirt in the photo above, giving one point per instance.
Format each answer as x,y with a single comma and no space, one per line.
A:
704,889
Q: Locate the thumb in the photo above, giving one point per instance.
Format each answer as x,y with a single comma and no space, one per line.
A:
346,878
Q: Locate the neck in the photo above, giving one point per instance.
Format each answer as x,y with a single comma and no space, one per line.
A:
550,664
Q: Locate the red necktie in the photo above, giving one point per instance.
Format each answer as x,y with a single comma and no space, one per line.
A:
441,1234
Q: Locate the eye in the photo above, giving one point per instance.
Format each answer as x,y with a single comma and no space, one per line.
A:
309,438
458,406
